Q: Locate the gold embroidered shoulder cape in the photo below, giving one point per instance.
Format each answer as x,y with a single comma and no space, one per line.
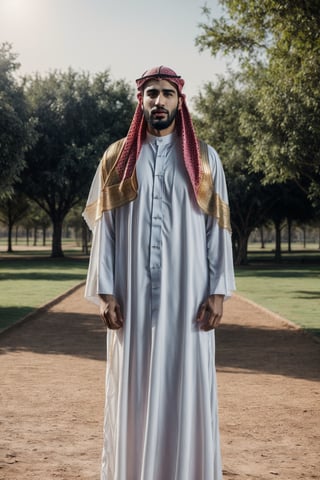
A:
108,191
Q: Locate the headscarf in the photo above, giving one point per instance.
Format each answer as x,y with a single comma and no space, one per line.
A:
137,131
115,183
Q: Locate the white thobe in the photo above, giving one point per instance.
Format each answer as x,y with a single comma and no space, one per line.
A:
161,256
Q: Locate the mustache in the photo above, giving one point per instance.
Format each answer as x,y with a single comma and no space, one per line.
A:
158,110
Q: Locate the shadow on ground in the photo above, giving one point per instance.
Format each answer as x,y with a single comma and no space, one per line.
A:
58,333
10,315
277,352
286,352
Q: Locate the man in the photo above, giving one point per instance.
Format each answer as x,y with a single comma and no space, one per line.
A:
161,267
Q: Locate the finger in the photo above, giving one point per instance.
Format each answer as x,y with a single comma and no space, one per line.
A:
218,321
107,318
119,315
111,315
201,313
112,321
213,321
115,318
103,317
207,326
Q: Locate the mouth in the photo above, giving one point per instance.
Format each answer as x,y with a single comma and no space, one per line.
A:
159,113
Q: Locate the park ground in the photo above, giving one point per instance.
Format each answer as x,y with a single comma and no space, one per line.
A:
52,395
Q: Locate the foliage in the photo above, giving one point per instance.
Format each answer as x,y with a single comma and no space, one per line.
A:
219,123
222,110
77,117
278,47
15,122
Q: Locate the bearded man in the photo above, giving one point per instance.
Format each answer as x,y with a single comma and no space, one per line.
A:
160,268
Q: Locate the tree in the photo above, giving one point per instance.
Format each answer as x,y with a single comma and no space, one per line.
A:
77,117
12,210
82,233
219,110
36,219
291,204
15,122
278,47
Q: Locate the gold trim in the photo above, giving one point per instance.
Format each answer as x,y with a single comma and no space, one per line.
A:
92,212
109,162
115,193
208,200
113,196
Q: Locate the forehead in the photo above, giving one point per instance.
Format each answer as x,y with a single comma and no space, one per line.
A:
159,84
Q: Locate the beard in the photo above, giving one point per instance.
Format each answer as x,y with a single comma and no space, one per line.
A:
160,123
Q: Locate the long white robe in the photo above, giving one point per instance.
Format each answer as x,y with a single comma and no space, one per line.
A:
161,257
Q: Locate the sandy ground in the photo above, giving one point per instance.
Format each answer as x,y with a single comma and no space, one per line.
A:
52,395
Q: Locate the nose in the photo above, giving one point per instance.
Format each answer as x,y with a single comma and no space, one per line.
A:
159,99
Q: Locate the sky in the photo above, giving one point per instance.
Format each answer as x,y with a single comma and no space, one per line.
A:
125,36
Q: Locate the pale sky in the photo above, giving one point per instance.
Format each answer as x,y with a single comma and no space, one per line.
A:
125,36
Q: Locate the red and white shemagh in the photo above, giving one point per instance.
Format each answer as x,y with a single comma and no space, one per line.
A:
137,131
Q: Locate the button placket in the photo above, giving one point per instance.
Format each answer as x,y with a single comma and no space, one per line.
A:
156,228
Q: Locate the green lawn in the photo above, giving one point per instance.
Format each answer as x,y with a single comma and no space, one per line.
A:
28,282
292,291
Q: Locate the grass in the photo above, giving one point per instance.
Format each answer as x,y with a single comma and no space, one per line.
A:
28,282
291,289
29,279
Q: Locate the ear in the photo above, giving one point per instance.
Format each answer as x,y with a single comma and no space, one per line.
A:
180,103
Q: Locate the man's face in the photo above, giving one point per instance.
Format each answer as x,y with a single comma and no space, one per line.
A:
160,103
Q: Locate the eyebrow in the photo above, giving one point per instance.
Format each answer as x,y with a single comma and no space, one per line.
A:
155,89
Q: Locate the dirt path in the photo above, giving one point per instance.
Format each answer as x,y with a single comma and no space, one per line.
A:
52,395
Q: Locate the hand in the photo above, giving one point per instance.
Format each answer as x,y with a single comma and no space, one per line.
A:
210,312
110,312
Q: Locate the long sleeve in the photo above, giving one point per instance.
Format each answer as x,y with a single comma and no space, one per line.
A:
219,246
106,254
100,277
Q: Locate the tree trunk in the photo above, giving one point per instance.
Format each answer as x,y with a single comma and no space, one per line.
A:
28,235
277,256
44,236
304,230
289,221
241,249
35,235
56,250
10,226
85,247
262,238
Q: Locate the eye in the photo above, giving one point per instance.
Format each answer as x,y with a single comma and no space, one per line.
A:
152,93
168,93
